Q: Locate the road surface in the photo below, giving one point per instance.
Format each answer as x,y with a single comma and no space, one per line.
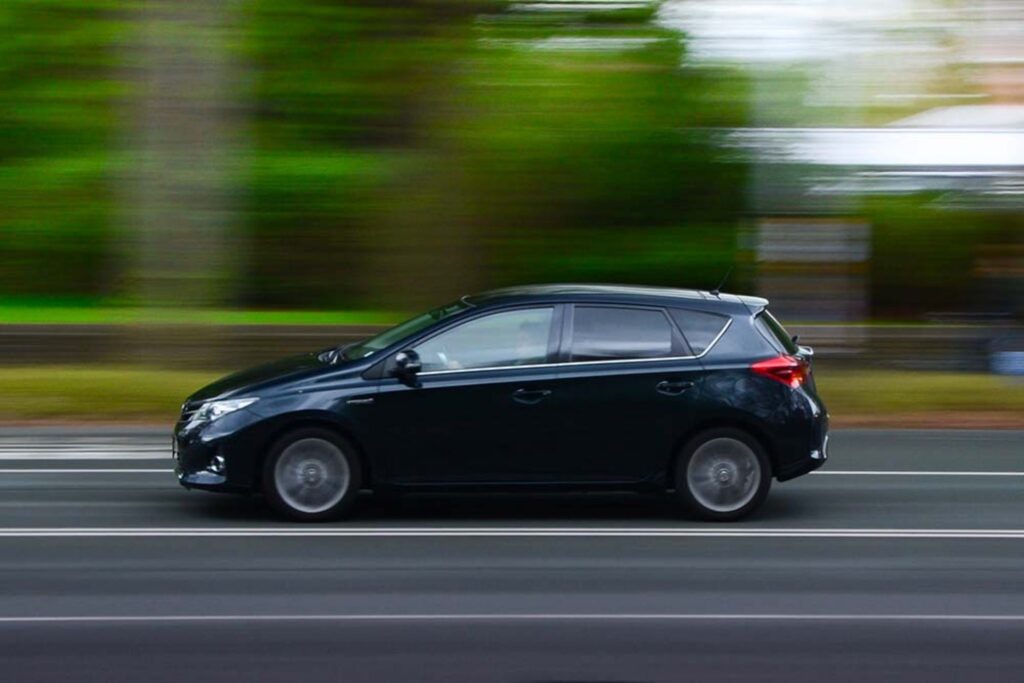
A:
902,559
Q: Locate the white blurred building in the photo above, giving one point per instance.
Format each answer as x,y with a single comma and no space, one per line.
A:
853,99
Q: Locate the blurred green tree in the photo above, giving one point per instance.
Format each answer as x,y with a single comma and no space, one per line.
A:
309,153
59,95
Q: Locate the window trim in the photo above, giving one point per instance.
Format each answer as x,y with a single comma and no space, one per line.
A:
571,364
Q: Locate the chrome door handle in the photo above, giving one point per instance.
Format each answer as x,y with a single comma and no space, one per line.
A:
673,387
530,396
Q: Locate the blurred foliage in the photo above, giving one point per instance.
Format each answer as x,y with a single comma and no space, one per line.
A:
45,312
924,256
903,392
69,393
59,90
340,91
395,154
427,146
597,164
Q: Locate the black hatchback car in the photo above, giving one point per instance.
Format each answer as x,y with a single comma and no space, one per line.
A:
553,387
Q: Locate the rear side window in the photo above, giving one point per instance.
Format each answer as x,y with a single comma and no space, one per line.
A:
768,324
605,333
699,328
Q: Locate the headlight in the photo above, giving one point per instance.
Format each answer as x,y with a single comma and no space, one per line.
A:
214,409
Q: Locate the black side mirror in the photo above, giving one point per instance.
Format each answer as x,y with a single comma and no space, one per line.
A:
407,365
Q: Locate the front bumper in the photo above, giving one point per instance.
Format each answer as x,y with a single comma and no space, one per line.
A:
195,448
192,462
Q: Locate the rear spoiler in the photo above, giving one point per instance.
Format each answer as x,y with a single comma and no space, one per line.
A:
754,304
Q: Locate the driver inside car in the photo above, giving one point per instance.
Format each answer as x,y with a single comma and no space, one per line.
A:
530,348
531,343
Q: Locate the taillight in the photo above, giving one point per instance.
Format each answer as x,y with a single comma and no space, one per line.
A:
786,369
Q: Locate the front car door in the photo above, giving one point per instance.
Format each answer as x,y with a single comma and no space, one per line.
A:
481,411
625,393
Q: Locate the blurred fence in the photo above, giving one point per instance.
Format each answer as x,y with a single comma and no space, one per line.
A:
924,347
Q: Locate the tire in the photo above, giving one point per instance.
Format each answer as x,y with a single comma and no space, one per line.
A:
312,475
722,475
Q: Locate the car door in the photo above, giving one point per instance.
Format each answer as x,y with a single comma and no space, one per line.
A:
480,410
625,393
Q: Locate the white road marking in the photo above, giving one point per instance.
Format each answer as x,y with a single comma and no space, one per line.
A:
163,618
133,470
500,532
921,473
100,470
74,454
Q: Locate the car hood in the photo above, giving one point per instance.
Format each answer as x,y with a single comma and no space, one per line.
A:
257,379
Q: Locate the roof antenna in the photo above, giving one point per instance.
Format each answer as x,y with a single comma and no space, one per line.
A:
718,290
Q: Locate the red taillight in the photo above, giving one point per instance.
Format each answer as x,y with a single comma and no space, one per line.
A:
786,369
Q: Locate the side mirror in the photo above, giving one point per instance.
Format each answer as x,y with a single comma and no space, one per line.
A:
407,365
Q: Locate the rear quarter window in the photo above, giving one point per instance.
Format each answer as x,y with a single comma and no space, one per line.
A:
699,327
774,331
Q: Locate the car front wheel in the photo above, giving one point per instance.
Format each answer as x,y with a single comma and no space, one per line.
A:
312,475
722,475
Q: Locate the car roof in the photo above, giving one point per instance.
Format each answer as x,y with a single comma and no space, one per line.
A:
609,293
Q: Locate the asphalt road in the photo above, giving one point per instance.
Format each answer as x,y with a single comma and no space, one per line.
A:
903,559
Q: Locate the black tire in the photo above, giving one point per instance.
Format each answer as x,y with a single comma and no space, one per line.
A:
711,475
324,468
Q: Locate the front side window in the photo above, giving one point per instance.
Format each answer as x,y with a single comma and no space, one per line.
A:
509,338
606,333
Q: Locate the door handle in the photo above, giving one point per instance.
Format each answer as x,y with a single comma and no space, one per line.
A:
530,396
673,387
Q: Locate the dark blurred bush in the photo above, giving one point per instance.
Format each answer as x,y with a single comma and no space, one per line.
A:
927,258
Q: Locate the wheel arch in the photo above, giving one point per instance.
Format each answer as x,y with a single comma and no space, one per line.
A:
750,427
313,421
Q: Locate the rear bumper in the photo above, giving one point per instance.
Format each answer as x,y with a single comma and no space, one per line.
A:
814,457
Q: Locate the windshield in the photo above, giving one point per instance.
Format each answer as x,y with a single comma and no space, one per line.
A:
399,332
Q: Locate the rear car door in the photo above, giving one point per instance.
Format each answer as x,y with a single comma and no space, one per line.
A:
625,393
481,412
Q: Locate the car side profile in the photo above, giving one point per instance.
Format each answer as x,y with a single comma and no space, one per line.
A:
547,387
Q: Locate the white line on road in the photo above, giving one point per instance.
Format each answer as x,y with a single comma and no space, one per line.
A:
866,473
100,470
163,618
921,473
85,455
499,532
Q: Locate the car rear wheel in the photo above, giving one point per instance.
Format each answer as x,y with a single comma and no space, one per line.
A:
722,475
312,475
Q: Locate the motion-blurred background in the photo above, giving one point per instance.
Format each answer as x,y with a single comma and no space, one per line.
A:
188,187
